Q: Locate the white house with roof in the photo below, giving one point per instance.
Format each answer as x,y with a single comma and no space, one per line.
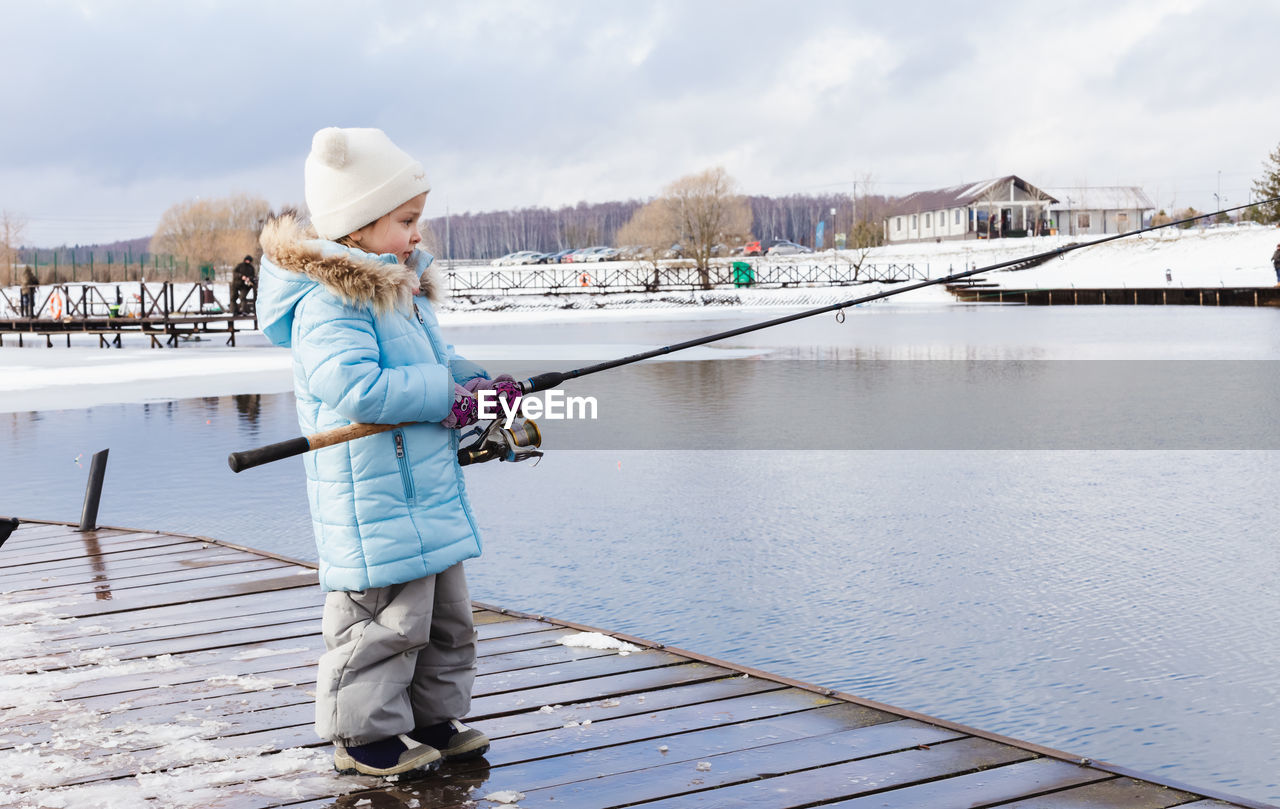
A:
1093,210
1005,206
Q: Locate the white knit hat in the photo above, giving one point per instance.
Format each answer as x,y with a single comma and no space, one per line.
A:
355,176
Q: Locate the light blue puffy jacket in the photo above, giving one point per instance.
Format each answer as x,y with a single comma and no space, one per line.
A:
391,507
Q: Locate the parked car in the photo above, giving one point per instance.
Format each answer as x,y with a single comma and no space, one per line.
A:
674,251
603,254
558,256
752,249
518,257
785,248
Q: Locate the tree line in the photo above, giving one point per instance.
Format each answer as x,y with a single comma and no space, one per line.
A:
491,234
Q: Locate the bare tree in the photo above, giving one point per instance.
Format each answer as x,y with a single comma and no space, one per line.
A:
247,216
213,231
706,210
12,228
650,232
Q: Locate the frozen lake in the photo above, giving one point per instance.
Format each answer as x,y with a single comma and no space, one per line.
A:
1107,587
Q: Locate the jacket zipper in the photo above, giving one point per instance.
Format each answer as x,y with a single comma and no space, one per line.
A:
406,476
454,439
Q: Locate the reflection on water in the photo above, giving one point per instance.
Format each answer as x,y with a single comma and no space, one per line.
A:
1117,604
102,582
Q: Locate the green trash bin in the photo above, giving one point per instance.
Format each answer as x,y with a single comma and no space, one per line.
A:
743,275
206,273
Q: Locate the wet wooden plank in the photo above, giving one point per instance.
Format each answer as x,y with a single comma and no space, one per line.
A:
707,695
549,637
170,581
123,636
602,664
1117,793
854,778
204,641
270,581
512,626
84,568
479,617
50,535
16,562
33,532
694,745
196,695
183,613
543,655
640,724
597,688
984,788
123,573
737,767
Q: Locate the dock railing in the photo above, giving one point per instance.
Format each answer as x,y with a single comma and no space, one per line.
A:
631,276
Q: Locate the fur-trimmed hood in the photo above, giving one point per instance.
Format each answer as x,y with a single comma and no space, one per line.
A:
295,260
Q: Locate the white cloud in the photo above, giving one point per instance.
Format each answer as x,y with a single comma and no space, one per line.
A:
540,102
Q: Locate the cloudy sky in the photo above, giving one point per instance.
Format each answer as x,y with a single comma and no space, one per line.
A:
113,111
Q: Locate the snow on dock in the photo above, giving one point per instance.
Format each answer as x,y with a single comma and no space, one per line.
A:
147,666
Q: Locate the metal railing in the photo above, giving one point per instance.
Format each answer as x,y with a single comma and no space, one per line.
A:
138,299
643,277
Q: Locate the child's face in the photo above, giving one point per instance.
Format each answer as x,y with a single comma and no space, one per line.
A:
396,233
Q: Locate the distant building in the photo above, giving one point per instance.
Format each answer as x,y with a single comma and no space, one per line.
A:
1098,210
1006,206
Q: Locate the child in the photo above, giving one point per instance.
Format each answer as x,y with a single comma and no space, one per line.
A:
352,298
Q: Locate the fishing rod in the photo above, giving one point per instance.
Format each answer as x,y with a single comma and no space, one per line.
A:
519,441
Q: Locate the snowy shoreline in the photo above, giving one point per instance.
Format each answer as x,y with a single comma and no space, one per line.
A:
84,375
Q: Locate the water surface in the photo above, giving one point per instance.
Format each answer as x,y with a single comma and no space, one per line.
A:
1116,603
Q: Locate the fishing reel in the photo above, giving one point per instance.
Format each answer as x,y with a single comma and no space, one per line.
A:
519,442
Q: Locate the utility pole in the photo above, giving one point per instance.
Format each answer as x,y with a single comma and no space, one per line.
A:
854,224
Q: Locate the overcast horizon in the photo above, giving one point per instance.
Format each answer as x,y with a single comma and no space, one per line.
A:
116,111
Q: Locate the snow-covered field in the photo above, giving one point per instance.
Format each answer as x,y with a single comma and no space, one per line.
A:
39,378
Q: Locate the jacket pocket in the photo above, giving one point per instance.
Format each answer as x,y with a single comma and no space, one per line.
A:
406,473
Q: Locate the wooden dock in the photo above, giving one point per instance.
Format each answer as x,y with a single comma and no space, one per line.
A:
174,671
984,292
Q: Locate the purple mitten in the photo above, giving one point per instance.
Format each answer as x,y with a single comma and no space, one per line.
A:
504,385
463,412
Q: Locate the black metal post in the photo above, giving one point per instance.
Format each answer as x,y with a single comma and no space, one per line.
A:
93,491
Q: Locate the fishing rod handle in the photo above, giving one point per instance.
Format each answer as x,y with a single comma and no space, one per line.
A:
249,458
542,382
239,461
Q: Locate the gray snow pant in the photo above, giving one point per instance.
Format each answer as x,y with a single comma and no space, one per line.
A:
398,657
